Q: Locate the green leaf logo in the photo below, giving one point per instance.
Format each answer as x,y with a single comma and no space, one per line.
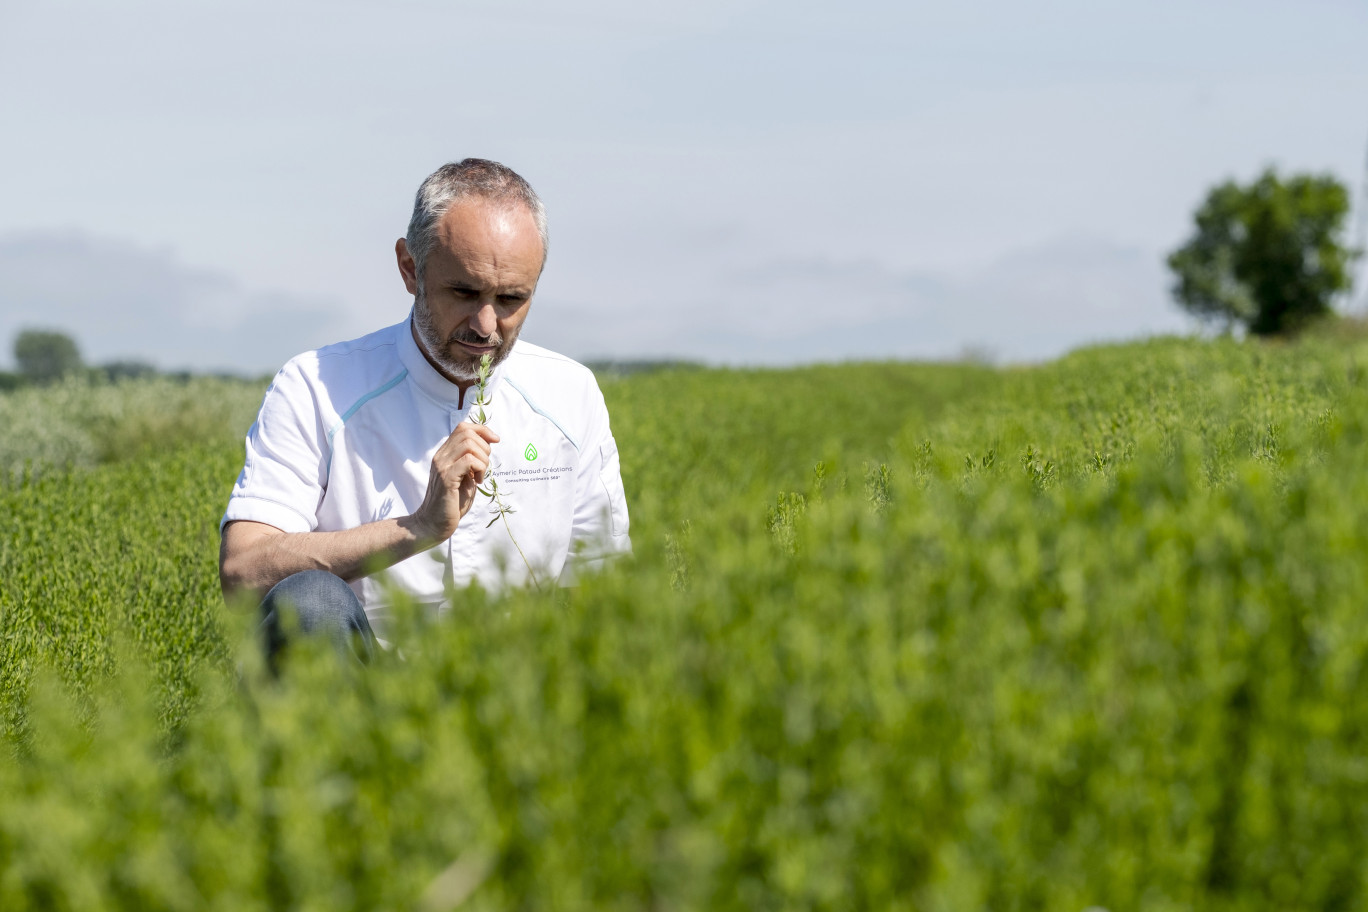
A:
530,453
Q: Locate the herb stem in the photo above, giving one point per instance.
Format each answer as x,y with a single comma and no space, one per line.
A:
490,488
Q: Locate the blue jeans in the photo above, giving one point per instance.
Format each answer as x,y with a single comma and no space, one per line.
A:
318,604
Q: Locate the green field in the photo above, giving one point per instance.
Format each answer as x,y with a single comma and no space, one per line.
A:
894,636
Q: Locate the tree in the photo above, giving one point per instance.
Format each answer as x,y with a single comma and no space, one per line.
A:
1268,255
45,356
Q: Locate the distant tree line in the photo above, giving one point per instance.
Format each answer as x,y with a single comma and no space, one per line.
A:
45,356
623,368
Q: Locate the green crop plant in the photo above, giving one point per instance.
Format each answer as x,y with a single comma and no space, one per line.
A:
79,424
1113,659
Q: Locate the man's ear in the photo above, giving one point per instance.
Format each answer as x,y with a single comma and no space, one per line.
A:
407,268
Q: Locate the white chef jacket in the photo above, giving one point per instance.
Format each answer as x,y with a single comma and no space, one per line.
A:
346,436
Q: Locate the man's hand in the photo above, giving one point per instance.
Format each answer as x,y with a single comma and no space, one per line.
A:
458,466
255,556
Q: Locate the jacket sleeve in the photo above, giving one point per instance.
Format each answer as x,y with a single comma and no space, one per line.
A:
286,470
600,515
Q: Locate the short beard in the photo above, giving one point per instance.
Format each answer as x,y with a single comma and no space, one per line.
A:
462,370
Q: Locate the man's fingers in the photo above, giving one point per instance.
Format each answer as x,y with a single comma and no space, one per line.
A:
462,442
483,430
461,465
471,462
476,434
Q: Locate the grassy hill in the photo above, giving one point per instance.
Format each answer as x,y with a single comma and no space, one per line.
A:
893,636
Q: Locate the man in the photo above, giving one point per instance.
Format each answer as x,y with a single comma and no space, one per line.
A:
366,462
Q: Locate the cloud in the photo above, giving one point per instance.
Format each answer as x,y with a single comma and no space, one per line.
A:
1043,301
122,301
1030,304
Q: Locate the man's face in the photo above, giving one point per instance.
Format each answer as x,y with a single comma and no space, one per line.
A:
477,285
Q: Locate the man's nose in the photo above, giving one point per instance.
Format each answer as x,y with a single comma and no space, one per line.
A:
484,321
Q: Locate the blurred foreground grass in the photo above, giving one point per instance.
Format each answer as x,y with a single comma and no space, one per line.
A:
894,636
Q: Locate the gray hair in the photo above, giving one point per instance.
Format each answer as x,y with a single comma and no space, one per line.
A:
455,181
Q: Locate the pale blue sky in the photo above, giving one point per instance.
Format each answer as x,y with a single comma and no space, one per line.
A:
220,184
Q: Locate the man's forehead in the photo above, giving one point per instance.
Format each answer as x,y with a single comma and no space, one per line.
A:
484,246
497,220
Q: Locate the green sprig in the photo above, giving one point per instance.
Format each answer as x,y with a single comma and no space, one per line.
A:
499,506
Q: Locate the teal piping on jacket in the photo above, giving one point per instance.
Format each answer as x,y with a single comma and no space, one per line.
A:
356,406
536,408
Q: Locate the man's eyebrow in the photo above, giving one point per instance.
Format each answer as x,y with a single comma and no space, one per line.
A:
459,285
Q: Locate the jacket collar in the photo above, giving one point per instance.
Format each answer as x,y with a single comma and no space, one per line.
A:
427,378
